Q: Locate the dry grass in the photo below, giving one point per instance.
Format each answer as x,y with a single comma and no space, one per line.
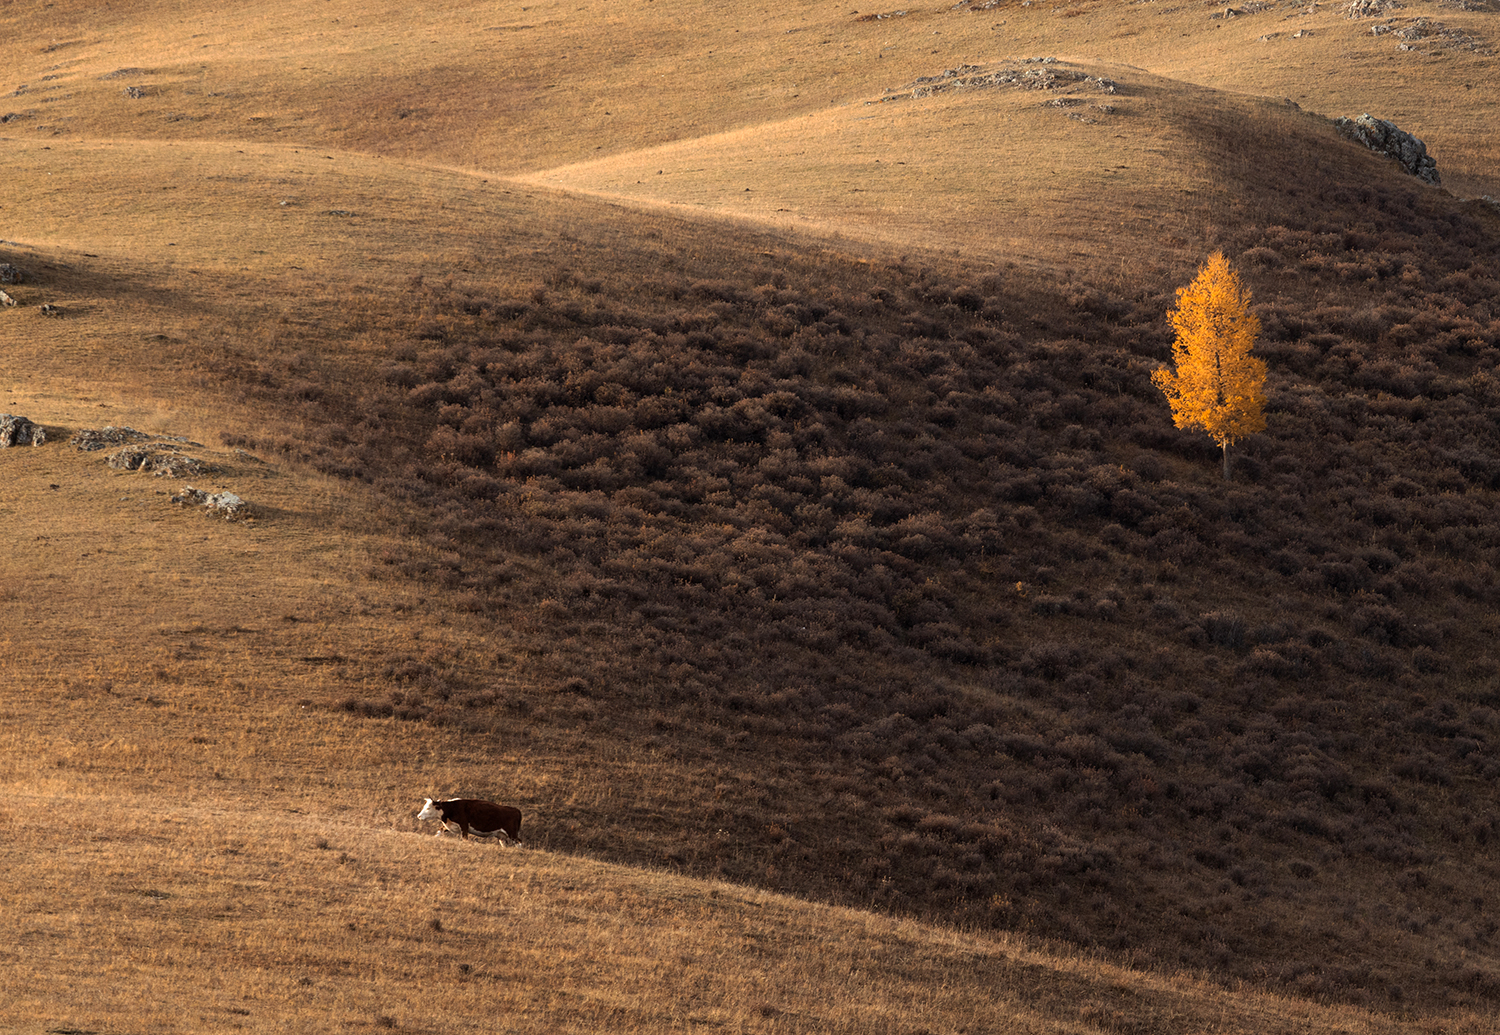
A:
1000,174
191,838
525,89
178,911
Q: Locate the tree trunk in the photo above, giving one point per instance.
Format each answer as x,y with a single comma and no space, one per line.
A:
1226,460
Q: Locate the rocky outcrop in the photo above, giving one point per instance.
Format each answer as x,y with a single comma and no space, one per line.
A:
133,450
1388,139
220,504
10,274
1049,76
95,439
18,431
158,458
1370,8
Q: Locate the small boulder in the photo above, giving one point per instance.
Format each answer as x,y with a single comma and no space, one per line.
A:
10,274
131,458
18,431
221,504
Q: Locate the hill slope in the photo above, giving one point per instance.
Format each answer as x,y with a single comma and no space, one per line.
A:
229,916
845,550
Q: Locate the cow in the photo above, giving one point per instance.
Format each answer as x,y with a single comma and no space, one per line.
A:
484,818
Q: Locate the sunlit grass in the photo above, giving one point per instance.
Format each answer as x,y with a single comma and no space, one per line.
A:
174,913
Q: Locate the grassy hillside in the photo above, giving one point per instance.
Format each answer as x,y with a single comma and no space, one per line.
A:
693,428
232,920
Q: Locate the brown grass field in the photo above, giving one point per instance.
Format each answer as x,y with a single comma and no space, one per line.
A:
596,374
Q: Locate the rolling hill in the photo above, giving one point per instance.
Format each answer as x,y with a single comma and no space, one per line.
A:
727,433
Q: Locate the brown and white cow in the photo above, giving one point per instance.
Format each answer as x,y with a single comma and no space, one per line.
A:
483,818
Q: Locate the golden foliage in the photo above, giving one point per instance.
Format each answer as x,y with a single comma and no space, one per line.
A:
1218,386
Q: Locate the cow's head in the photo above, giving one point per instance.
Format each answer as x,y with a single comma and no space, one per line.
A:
430,810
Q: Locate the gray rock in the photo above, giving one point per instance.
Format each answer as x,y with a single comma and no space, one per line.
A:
159,459
1370,8
975,77
1388,139
221,504
18,431
10,274
95,439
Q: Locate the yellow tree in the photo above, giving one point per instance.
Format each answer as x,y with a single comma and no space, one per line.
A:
1218,387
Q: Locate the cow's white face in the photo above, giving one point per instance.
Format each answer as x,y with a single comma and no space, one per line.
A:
429,811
